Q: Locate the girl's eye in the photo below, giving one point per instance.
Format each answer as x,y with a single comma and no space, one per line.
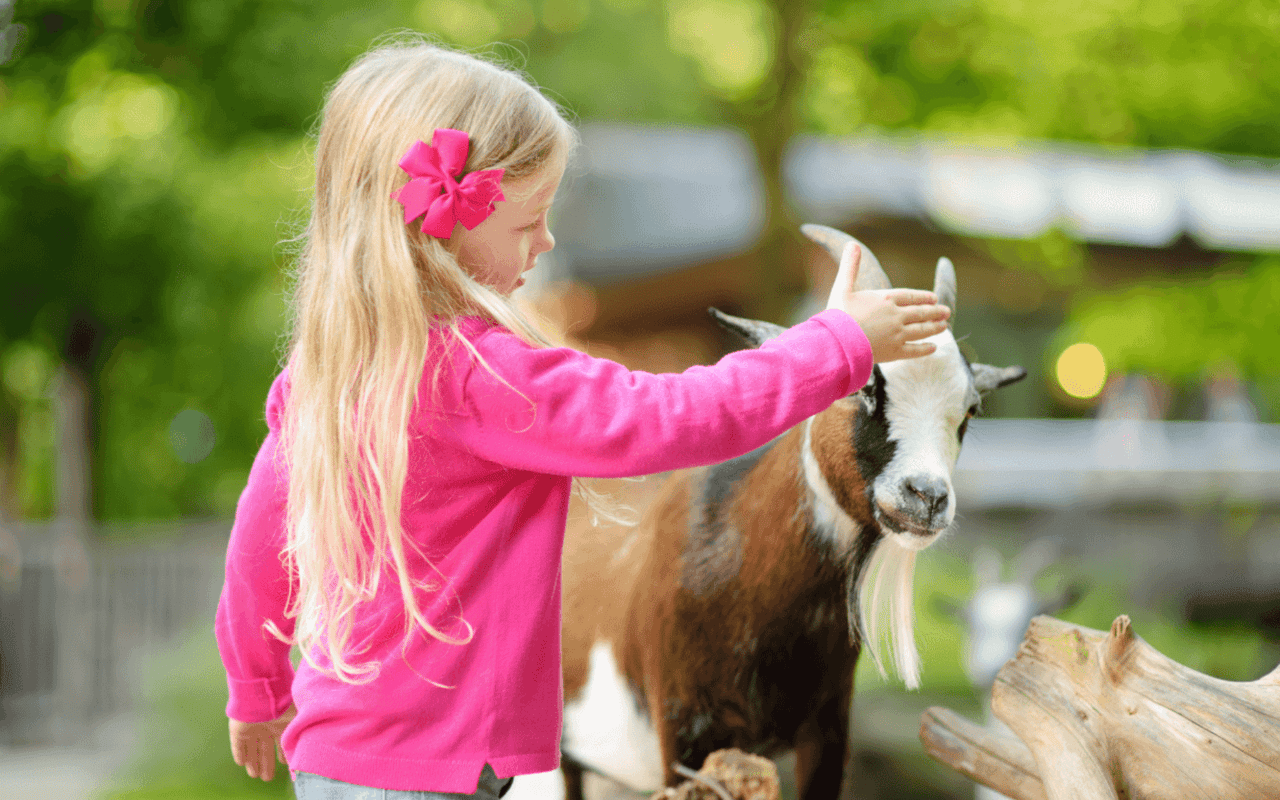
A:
533,226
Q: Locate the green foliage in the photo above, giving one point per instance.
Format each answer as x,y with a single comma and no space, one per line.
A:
1228,651
153,155
1052,255
1145,73
1184,331
942,579
152,158
1154,73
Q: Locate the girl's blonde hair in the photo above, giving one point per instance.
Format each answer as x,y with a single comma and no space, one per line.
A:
369,293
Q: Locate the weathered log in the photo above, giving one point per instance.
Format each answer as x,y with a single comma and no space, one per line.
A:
729,774
992,758
1105,716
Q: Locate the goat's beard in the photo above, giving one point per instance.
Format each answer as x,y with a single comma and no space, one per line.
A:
883,590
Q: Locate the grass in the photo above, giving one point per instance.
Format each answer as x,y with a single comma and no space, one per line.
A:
183,751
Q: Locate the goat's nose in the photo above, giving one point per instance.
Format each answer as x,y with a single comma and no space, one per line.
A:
931,490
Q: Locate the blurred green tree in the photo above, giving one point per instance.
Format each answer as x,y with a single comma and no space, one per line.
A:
154,155
1200,75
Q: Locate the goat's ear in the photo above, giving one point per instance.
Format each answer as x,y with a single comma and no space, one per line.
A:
944,286
987,377
870,274
755,331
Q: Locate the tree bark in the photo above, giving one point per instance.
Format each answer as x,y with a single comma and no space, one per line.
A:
1104,716
992,758
770,118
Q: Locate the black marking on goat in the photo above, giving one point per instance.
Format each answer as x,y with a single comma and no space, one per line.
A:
764,702
713,554
871,442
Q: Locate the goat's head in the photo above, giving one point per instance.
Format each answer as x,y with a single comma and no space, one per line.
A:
885,456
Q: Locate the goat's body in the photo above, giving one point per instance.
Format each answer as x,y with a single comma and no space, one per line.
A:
732,615
733,635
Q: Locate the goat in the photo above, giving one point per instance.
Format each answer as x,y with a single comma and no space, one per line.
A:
733,615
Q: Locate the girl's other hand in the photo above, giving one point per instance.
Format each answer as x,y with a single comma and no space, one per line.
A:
893,319
256,745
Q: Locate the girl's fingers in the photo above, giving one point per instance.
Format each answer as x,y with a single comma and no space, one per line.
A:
925,313
850,261
268,762
916,349
261,765
267,759
847,274
256,747
243,754
912,297
923,330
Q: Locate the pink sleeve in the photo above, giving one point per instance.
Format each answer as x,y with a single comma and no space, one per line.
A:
592,417
256,589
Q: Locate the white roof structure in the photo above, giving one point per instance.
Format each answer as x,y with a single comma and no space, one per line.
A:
1060,463
647,199
1097,194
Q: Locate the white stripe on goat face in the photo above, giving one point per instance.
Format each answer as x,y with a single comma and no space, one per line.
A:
926,400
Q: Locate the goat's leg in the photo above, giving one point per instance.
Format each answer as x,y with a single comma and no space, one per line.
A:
572,772
665,725
822,748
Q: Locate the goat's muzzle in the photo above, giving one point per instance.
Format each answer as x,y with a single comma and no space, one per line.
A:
920,513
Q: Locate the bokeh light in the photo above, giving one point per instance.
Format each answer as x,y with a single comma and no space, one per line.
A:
1081,370
192,435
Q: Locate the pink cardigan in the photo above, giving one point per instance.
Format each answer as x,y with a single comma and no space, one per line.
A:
486,501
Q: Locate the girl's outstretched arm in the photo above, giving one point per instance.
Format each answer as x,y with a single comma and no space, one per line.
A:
563,412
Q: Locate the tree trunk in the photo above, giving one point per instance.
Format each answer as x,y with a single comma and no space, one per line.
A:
770,117
1104,716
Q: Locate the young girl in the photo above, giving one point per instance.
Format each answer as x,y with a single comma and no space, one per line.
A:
403,521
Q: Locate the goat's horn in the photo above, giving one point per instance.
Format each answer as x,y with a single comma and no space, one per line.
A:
755,331
944,286
870,274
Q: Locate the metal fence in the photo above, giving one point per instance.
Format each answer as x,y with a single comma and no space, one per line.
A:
80,608
82,603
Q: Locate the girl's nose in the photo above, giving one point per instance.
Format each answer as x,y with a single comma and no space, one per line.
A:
547,242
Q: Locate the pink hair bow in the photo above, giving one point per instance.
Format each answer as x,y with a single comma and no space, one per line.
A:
435,195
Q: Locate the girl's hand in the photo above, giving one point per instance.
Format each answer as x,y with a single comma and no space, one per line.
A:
256,745
892,319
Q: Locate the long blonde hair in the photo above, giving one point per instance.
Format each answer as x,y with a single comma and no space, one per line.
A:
369,294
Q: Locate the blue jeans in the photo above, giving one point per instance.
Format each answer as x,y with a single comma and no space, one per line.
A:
307,786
